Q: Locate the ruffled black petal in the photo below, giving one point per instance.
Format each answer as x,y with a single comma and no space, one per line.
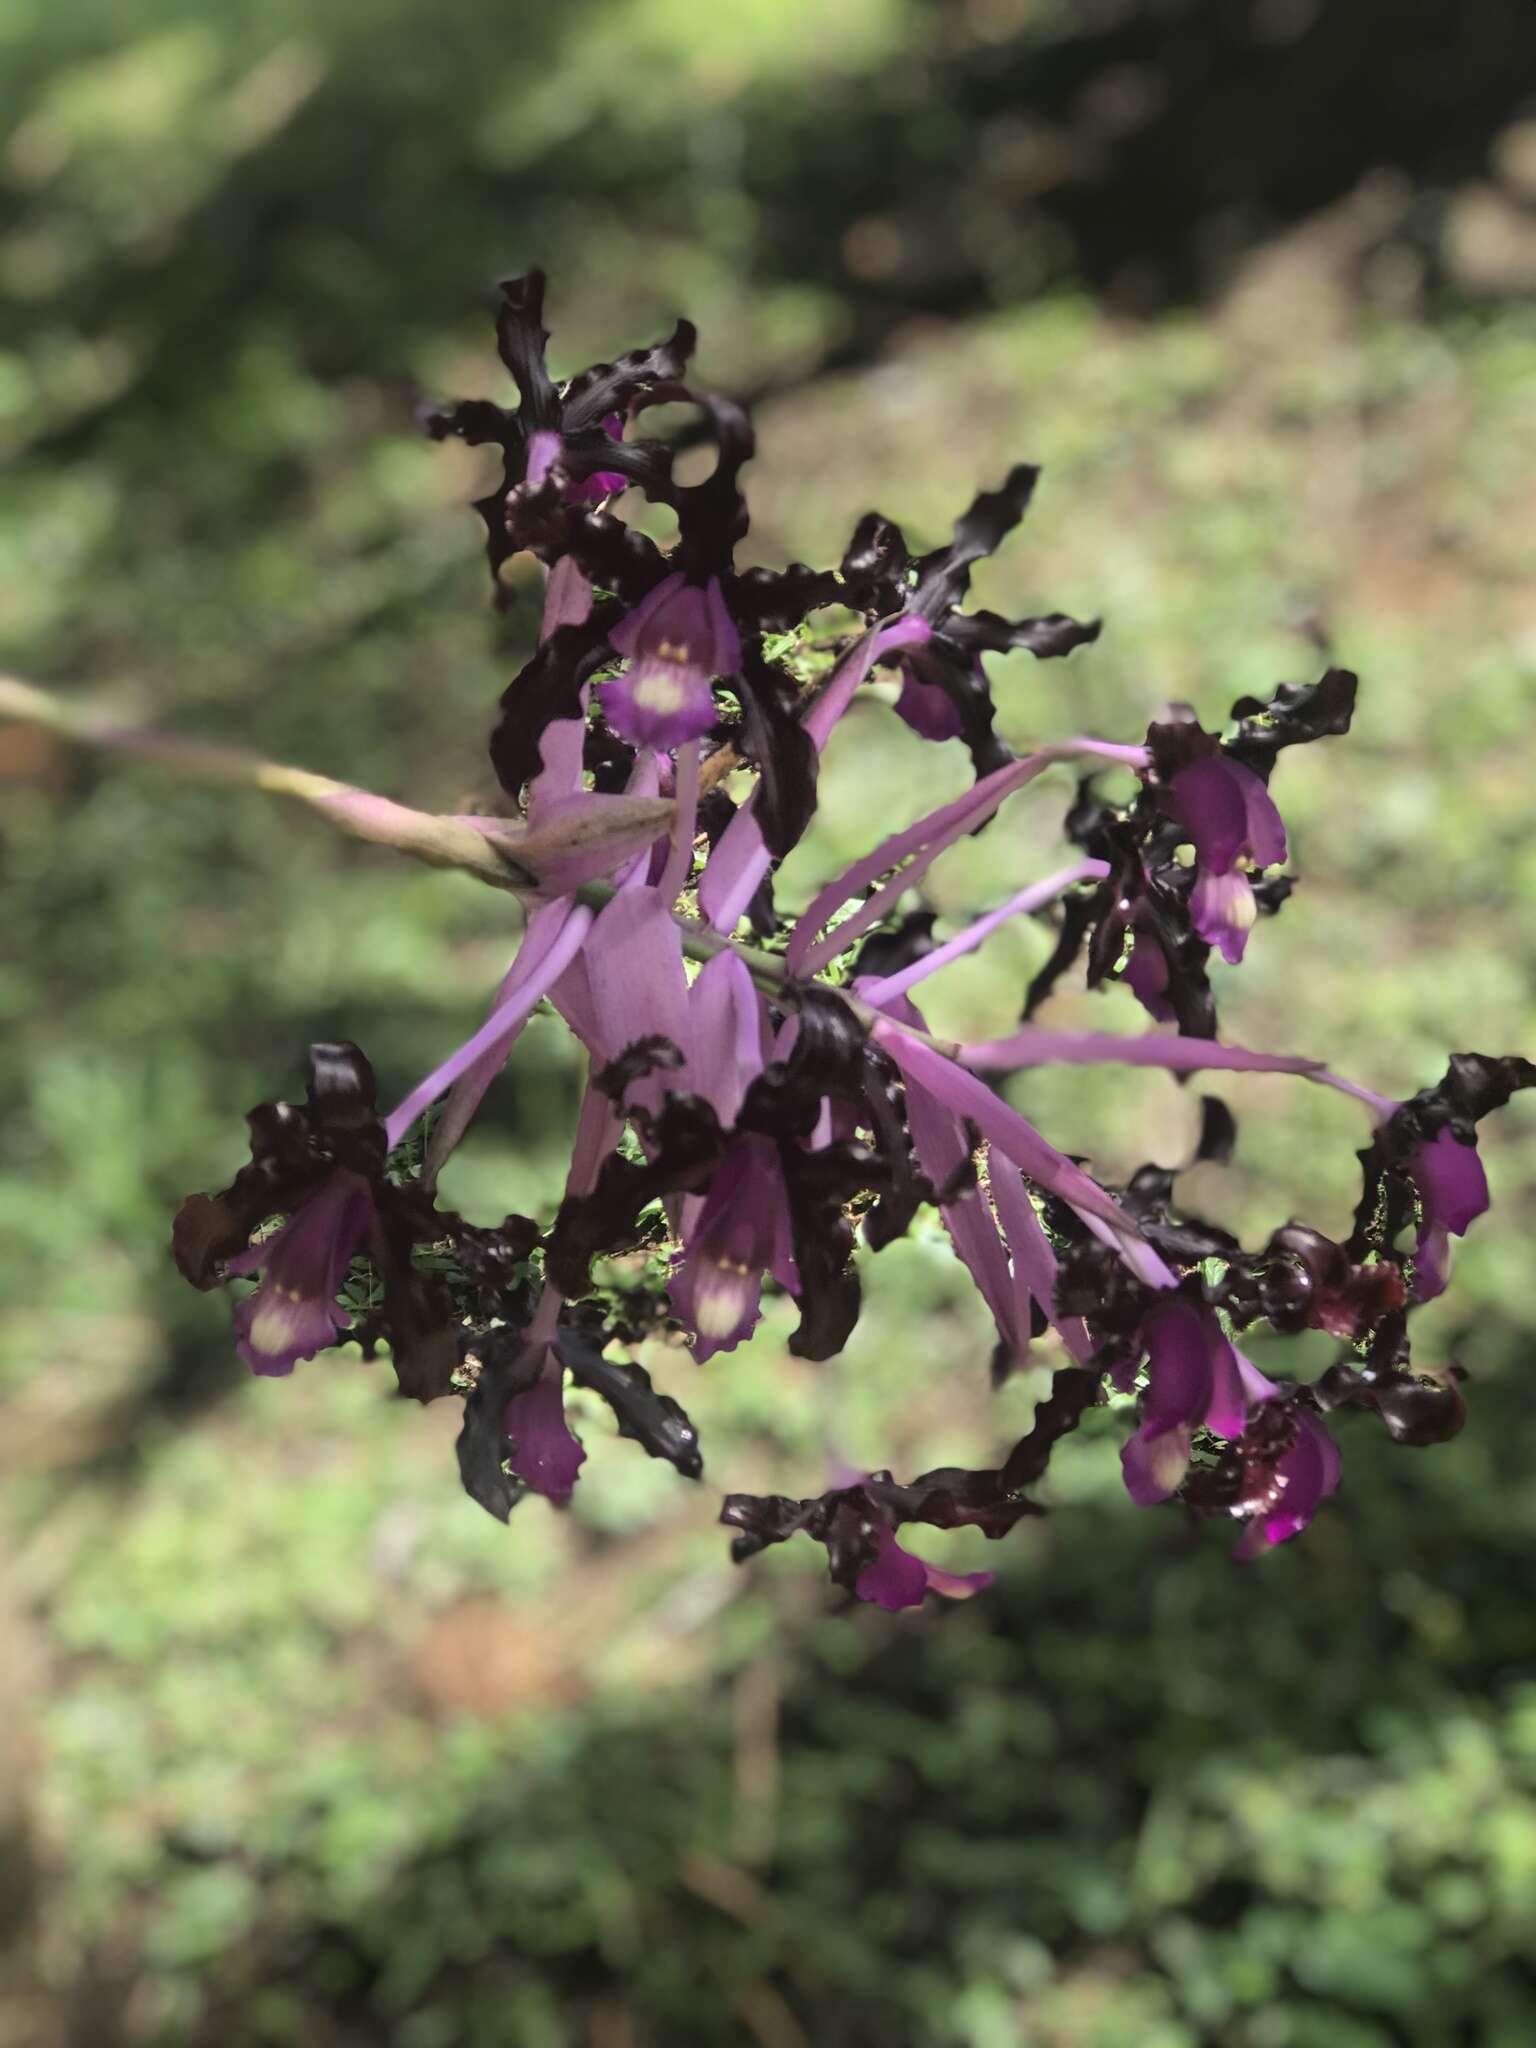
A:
654,1421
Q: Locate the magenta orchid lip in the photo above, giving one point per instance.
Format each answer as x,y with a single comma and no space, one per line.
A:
762,1114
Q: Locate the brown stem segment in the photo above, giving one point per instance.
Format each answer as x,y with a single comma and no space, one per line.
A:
502,853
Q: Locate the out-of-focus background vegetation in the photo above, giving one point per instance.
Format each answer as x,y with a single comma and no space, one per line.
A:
296,1745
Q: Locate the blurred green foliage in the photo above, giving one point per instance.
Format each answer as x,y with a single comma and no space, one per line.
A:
326,1756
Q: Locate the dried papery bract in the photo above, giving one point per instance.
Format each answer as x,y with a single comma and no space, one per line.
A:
755,1113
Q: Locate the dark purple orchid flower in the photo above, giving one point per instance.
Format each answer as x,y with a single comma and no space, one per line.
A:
1231,818
1422,1166
945,693
544,449
576,428
303,1265
1288,1490
925,704
738,1230
1170,916
320,1164
734,1220
1453,1193
677,640
894,1578
515,1433
545,1454
683,619
1196,1379
857,1520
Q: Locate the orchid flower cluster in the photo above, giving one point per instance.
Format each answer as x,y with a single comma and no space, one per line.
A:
763,1094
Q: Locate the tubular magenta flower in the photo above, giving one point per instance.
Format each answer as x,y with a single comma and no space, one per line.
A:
741,1229
294,1312
924,702
678,639
945,692
894,1578
545,1455
544,448
320,1164
1195,1379
1292,1487
1146,976
1232,820
1453,1193
857,1520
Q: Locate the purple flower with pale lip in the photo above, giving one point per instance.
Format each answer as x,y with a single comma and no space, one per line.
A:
740,1231
321,1165
857,1519
1295,1485
294,1312
1195,1379
677,639
738,1225
894,1578
1231,818
545,1453
1453,1193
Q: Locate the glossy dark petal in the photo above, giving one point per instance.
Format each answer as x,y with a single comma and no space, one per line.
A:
1416,1412
1074,1390
711,515
609,387
891,947
775,741
343,1106
521,340
508,1368
686,1144
609,553
893,1212
818,1185
776,600
874,566
548,687
417,1315
1218,1133
654,1421
1048,638
945,577
1297,714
